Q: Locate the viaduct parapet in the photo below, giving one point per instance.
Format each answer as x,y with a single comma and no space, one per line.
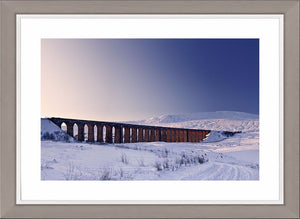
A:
128,133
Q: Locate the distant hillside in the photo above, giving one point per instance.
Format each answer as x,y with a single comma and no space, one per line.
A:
219,121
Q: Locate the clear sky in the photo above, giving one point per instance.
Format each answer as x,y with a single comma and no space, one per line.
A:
132,79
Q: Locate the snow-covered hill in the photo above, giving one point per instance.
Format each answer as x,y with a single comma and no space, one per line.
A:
50,131
218,121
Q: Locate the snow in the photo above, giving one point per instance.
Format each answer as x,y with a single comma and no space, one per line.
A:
50,131
218,121
48,126
219,157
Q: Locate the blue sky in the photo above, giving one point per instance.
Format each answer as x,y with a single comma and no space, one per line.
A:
131,79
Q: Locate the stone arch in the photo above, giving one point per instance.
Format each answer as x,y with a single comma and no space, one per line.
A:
63,126
117,134
152,134
157,134
113,134
123,134
169,135
104,133
134,135
67,127
140,134
144,134
177,135
100,133
130,134
86,132
108,134
185,139
127,135
95,128
80,131
147,136
173,135
91,131
75,131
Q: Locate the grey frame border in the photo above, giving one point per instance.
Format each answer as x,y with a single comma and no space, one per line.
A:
19,200
9,9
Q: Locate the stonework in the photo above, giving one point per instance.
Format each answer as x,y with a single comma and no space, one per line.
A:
117,134
127,135
108,138
132,133
140,137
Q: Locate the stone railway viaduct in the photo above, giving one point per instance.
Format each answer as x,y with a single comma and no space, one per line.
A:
129,133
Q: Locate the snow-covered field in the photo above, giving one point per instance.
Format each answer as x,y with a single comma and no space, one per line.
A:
217,158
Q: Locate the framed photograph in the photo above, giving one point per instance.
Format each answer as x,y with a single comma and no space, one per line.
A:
129,109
